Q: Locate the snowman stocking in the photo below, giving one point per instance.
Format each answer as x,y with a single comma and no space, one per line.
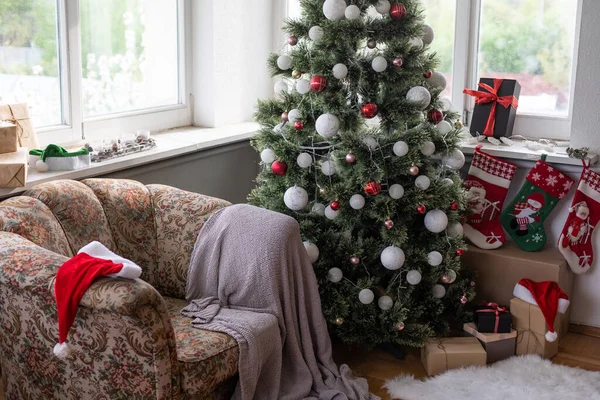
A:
487,185
575,242
524,218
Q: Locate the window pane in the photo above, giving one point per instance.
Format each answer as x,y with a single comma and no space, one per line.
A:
530,41
129,55
29,68
294,9
441,16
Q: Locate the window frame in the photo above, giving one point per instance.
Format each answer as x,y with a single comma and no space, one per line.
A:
74,127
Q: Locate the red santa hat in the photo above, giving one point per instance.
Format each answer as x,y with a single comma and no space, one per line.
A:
548,296
76,275
536,200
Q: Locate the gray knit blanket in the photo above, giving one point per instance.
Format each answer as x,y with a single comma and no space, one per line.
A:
250,277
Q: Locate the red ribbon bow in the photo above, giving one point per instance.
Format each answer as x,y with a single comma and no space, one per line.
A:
491,96
495,308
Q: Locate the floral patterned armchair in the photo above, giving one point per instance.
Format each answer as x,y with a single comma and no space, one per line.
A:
129,339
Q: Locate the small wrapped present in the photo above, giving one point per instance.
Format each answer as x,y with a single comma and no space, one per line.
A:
13,169
498,346
440,355
531,328
492,318
18,114
496,104
9,142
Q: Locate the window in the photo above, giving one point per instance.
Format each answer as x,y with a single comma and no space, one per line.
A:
95,68
532,41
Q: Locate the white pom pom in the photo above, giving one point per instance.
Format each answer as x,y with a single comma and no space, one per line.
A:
551,336
62,350
41,166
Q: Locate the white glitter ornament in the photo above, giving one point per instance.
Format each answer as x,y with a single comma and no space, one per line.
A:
295,198
352,12
427,148
316,33
428,34
340,71
318,209
280,87
284,62
328,168
392,258
334,10
419,96
357,202
400,149
267,156
416,43
454,160
379,64
446,104
437,80
294,115
422,182
396,191
444,127
455,229
312,250
303,86
434,258
327,125
413,277
438,291
335,275
366,296
304,160
330,213
436,221
447,182
371,142
452,275
383,7
385,303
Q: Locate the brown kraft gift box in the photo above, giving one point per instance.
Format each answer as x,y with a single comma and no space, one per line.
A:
498,271
498,346
13,169
440,355
18,114
9,142
531,328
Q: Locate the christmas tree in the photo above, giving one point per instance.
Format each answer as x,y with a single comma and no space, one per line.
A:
359,147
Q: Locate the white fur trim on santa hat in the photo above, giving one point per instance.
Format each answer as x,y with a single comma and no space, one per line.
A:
524,294
130,269
551,336
62,350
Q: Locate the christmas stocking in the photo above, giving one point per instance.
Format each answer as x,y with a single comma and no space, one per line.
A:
524,218
487,185
575,242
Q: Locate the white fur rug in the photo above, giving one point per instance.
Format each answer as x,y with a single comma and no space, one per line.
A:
527,377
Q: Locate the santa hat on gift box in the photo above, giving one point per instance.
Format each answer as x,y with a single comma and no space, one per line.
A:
548,296
76,275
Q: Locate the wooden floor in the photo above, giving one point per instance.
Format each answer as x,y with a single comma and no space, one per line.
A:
576,350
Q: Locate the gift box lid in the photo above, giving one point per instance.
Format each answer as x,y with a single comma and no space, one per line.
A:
488,337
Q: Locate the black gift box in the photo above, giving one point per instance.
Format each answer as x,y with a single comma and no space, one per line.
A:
485,320
505,117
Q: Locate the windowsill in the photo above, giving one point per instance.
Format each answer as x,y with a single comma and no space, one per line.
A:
170,144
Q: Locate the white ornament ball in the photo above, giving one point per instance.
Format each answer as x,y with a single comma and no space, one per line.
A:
444,127
366,296
303,86
400,149
447,182
312,250
304,160
357,202
330,213
379,64
438,291
294,115
267,156
280,87
436,221
284,62
427,148
419,96
316,33
328,168
455,229
392,258
413,277
41,166
335,275
334,10
434,258
318,209
385,303
371,142
295,198
327,125
277,128
428,34
416,42
383,7
437,80
340,71
352,12
454,160
452,274
446,104
422,182
396,191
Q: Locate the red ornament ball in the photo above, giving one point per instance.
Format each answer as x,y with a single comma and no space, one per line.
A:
373,188
397,11
298,125
414,170
389,224
292,40
421,209
464,300
427,74
454,206
354,260
350,158
335,205
279,167
318,83
284,116
369,110
460,252
435,116
398,62
399,326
